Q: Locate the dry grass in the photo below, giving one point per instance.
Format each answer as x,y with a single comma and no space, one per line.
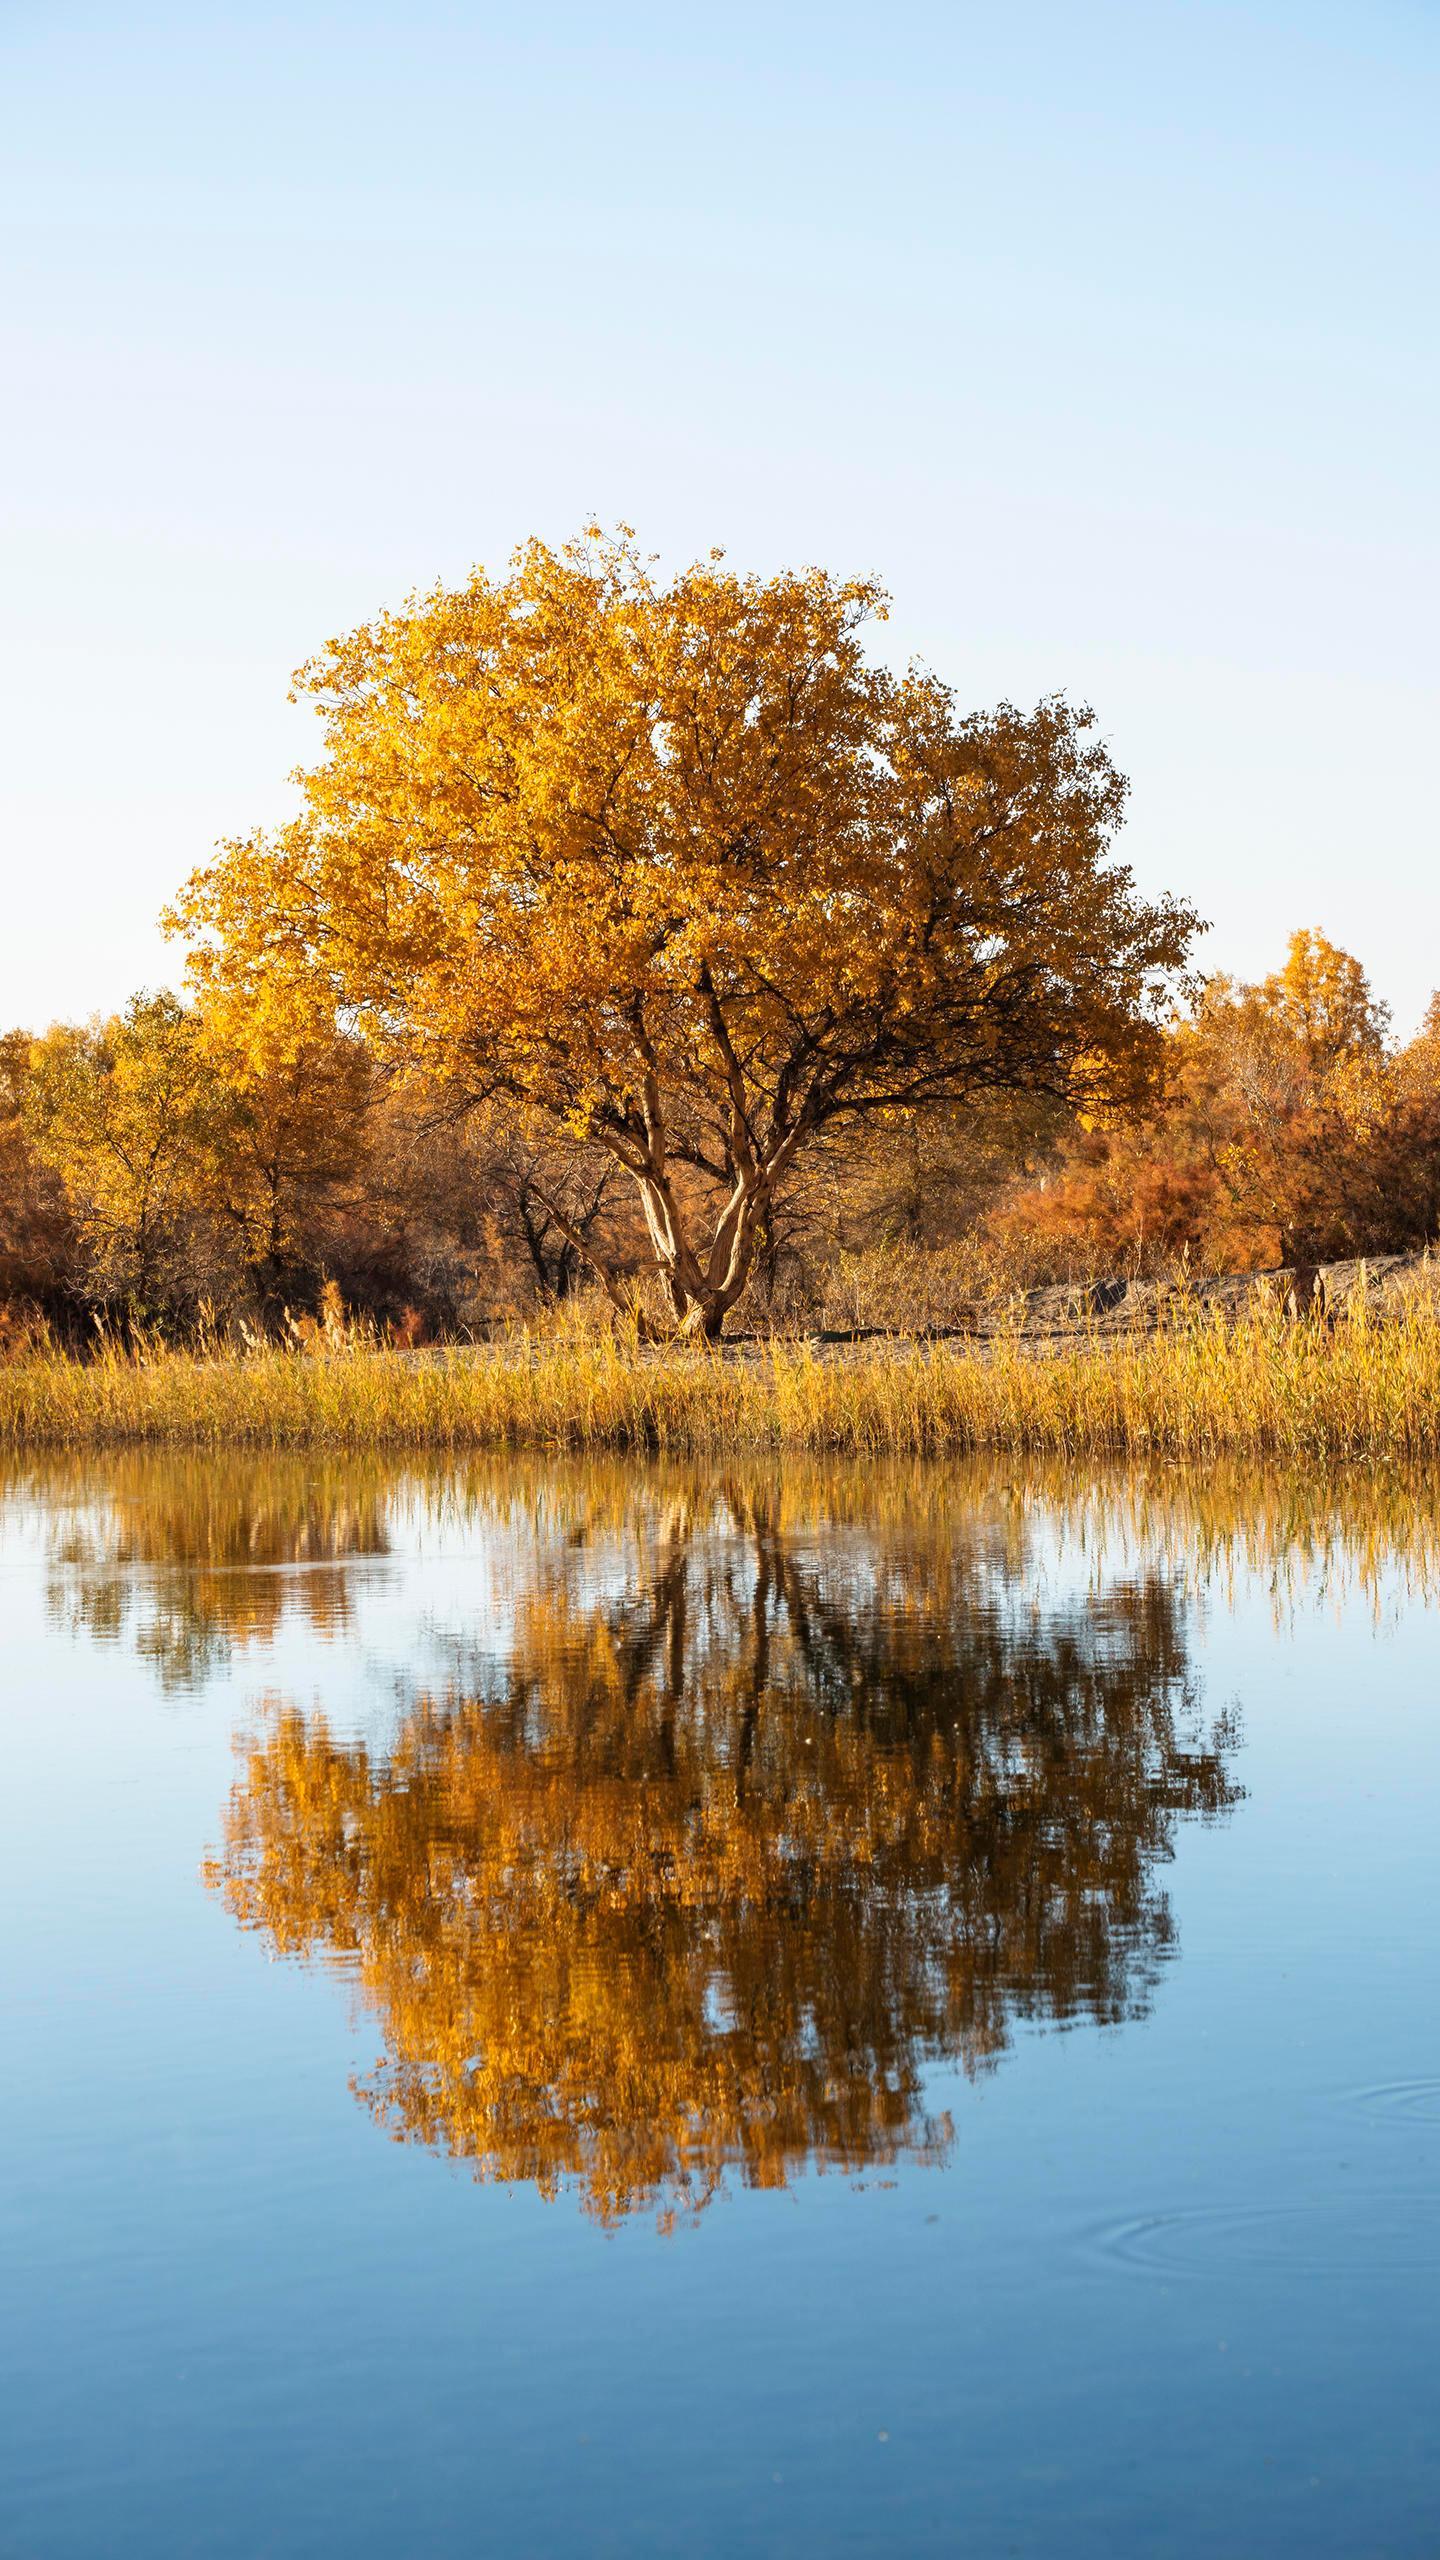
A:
1197,1389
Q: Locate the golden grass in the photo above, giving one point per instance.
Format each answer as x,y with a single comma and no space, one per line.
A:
1196,1390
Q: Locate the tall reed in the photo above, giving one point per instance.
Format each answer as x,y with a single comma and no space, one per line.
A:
1196,1388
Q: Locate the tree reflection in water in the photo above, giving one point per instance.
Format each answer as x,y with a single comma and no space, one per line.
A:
187,1561
749,1828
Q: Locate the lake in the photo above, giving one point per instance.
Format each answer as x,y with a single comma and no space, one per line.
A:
782,2009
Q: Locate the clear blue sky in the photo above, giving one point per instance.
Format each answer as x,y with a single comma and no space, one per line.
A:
1106,334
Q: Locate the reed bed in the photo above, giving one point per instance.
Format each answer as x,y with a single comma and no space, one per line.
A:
1199,1388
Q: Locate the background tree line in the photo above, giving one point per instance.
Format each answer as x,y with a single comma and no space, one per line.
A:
177,1164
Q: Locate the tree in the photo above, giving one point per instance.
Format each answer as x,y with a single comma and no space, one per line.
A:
37,1236
1324,1000
118,1111
283,1138
676,869
552,1205
1283,1084
1284,1131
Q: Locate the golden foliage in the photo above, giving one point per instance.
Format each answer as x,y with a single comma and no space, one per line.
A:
116,1109
185,1140
1287,1129
678,869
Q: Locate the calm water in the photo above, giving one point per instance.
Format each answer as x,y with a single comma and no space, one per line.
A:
780,2012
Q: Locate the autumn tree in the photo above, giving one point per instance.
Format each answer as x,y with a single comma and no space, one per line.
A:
676,870
1398,1205
196,1151
554,1202
1322,1000
118,1111
1286,1079
1284,1128
38,1243
284,1135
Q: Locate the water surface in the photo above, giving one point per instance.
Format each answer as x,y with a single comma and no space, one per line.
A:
780,2010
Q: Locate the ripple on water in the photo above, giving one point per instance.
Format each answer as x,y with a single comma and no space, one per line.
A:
1346,2235
1397,2101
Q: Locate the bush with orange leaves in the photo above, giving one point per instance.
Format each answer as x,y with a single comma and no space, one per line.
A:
1290,1128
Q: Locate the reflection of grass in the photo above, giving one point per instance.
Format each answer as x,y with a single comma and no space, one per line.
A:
1197,1388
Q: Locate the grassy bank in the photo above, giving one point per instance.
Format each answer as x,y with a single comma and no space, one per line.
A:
1195,1389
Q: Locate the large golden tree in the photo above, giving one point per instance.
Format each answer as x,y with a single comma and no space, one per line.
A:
678,870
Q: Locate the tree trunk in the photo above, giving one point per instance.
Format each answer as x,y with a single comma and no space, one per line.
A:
701,1283
704,1319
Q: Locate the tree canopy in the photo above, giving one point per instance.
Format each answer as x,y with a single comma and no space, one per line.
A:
166,1121
680,872
1287,1128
